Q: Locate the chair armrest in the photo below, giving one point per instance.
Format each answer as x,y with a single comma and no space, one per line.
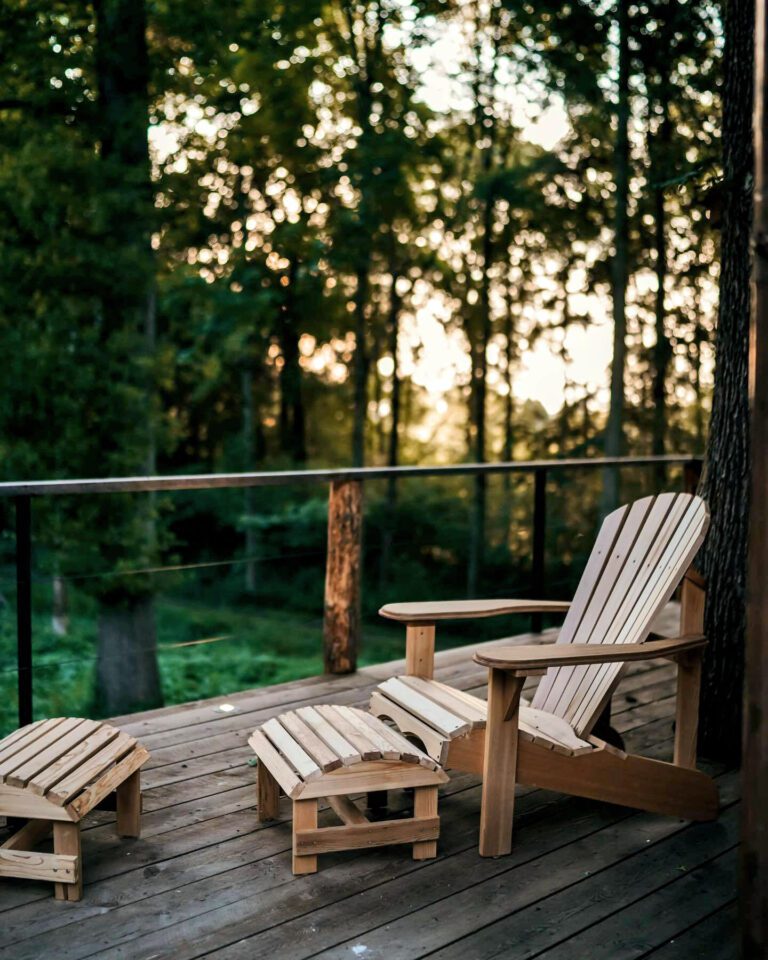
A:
430,611
539,657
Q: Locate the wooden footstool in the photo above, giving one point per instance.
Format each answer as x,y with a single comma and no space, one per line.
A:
52,773
332,752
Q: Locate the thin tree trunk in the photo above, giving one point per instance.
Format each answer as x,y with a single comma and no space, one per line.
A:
292,421
251,535
485,124
393,447
726,485
614,430
60,618
360,412
507,453
662,351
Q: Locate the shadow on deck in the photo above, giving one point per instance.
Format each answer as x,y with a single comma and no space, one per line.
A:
586,880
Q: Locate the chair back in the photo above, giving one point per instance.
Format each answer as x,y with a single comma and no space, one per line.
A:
641,554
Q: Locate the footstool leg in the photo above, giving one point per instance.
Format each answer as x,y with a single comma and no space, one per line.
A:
268,794
425,808
66,840
377,803
129,806
304,818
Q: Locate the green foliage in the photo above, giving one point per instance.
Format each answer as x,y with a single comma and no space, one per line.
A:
232,265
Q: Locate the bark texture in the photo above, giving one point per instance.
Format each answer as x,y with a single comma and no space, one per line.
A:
726,481
341,628
127,672
754,855
126,667
614,429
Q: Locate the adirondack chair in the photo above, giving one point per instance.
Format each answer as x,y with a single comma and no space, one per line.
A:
642,553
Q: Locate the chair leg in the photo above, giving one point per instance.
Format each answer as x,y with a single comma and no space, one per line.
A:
66,840
425,808
304,818
687,716
268,794
129,806
500,764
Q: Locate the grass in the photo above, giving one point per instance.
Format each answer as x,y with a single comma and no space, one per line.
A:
204,650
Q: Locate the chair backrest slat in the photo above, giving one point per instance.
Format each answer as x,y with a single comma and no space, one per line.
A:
641,554
630,565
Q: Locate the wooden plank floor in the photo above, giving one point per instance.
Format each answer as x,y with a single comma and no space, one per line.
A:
586,880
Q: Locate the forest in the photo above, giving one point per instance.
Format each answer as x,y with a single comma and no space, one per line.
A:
258,235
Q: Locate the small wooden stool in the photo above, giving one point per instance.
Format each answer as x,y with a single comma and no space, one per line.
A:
329,751
52,773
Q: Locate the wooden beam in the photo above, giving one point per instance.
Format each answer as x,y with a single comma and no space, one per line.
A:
28,836
420,650
754,848
532,658
62,869
499,764
128,796
66,845
309,842
341,626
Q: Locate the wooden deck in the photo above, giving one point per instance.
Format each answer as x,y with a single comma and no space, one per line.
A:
585,880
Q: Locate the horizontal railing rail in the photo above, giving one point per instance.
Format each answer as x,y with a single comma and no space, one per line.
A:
341,622
266,478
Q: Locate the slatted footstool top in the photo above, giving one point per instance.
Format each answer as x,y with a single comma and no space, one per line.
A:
52,773
335,751
61,768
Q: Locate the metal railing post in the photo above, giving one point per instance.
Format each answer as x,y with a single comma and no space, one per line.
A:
539,541
24,606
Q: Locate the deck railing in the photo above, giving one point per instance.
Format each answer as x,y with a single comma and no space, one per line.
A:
341,622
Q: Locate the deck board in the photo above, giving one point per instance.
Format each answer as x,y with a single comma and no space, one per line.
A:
208,880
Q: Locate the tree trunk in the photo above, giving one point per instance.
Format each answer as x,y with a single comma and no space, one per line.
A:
60,618
292,422
614,431
485,125
393,446
754,849
127,674
662,350
251,535
726,486
360,411
508,448
127,671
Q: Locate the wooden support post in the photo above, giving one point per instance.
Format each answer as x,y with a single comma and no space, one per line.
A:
268,794
304,818
425,808
692,598
693,595
66,840
341,628
500,763
687,708
128,795
420,650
